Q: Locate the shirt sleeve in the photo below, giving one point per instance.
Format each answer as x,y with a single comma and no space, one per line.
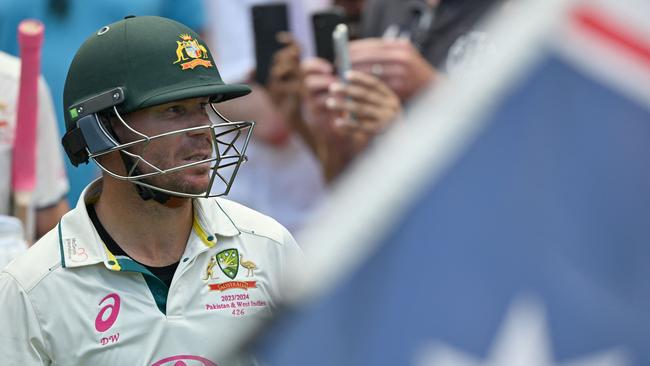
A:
21,340
51,181
293,265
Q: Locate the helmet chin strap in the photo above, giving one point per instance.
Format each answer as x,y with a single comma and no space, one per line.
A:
145,193
164,199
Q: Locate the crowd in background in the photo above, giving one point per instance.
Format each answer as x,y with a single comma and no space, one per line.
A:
311,125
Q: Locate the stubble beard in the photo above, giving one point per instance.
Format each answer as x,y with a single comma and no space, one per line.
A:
183,181
192,180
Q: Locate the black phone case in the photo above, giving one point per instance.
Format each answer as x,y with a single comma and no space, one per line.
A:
323,24
268,20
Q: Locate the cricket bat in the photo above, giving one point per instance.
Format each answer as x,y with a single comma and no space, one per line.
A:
23,162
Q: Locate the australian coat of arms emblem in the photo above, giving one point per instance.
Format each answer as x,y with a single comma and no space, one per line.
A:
190,53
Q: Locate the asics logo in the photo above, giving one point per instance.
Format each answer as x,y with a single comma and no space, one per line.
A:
180,361
110,308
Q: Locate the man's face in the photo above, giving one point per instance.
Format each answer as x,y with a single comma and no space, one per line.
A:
174,150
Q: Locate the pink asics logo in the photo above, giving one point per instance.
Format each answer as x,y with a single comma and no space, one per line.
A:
180,361
108,313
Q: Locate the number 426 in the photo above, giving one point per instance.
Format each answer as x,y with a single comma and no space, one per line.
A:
238,312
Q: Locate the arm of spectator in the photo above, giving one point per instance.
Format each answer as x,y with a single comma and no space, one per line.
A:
318,75
396,62
285,85
330,146
284,77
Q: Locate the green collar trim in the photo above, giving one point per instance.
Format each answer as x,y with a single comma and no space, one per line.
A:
158,289
61,245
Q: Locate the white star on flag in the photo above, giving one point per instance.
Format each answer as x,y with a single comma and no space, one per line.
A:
522,340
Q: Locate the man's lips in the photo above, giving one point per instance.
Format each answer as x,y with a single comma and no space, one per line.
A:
198,156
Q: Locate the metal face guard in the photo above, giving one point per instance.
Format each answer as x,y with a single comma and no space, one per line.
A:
229,143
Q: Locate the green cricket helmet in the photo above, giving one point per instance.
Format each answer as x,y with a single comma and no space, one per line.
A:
140,62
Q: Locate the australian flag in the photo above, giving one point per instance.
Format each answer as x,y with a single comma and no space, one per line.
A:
508,224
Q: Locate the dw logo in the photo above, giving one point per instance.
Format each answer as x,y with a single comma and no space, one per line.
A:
108,312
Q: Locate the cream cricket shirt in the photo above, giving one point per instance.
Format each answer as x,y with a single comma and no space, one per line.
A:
69,301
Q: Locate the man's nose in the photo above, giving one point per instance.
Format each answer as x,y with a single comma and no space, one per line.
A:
199,120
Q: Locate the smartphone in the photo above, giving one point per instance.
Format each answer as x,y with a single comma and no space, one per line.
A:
341,51
268,20
323,24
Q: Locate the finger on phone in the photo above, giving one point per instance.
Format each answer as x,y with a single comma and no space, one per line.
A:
316,83
358,93
354,108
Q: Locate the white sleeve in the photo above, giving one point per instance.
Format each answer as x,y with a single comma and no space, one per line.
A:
293,266
21,340
51,180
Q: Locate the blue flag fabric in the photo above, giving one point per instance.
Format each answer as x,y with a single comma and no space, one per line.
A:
551,202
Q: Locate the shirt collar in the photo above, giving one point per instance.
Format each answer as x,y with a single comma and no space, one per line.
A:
80,244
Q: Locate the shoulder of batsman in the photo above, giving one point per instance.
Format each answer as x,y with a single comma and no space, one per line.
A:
32,266
249,221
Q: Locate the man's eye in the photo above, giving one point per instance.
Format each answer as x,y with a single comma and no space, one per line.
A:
177,109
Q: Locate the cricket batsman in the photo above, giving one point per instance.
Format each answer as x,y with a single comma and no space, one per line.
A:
150,267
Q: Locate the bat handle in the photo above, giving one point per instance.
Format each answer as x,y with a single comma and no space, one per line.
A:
30,34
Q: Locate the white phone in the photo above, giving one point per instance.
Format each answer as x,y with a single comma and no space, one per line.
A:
341,52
